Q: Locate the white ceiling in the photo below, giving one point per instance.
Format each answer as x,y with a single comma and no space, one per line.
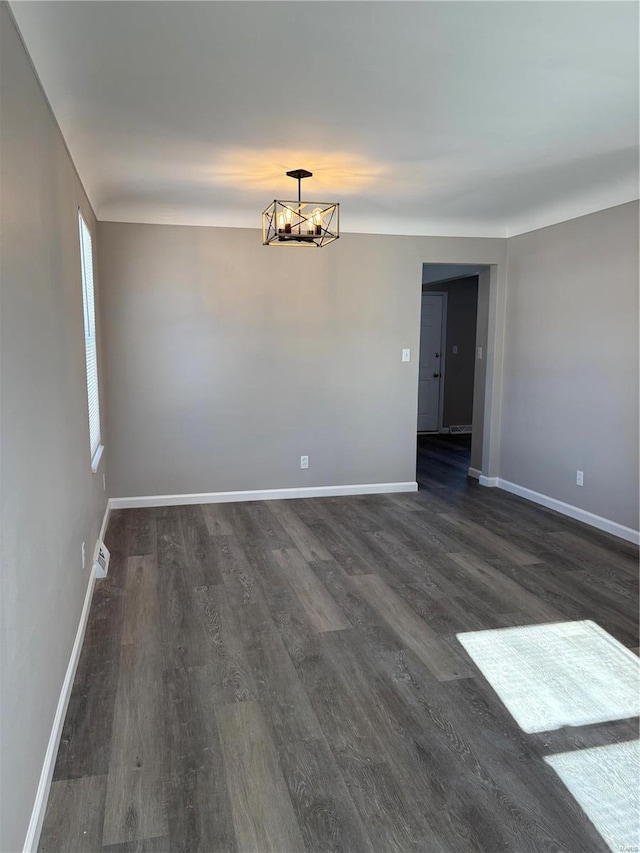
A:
446,118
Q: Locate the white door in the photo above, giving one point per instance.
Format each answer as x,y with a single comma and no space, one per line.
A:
430,362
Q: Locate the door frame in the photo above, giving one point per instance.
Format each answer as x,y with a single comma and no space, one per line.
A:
443,350
486,417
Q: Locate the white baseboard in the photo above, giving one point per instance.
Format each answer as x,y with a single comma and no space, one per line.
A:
476,473
491,482
42,795
105,521
261,495
598,521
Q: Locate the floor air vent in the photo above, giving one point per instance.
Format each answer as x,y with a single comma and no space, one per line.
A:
101,560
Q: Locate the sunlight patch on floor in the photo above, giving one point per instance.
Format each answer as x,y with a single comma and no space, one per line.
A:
560,674
604,781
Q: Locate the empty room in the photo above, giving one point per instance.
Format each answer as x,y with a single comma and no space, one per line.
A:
325,551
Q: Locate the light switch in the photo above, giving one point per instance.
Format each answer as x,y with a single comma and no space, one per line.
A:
480,353
406,355
455,350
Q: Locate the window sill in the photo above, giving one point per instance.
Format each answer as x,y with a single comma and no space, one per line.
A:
97,456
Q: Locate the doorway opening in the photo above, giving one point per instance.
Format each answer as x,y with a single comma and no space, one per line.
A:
453,333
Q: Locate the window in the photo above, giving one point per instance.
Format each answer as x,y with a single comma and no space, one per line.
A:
86,257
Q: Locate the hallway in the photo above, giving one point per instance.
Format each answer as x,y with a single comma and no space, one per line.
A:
443,460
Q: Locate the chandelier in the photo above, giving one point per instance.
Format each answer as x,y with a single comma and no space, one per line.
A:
300,223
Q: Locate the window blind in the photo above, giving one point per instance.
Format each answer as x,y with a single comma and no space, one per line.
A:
86,256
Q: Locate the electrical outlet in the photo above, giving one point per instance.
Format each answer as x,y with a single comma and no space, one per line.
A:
104,482
83,555
580,478
304,461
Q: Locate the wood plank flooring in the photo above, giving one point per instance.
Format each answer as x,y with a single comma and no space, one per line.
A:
285,676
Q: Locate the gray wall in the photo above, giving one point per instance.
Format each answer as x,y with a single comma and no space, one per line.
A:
50,501
462,309
570,385
227,360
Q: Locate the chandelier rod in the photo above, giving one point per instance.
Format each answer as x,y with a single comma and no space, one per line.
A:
299,174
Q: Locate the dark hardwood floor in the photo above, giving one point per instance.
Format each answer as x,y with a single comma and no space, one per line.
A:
285,676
